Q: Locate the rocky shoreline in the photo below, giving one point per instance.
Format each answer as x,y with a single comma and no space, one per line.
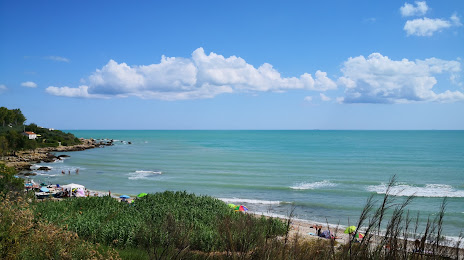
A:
23,160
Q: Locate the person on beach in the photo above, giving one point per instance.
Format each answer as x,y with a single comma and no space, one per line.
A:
69,172
109,193
77,171
62,172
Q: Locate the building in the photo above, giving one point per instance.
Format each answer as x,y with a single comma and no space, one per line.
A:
30,135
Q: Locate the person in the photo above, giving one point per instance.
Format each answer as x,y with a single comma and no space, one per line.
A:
62,172
326,234
77,171
109,193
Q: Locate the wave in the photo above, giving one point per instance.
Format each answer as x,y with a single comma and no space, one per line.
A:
138,175
265,202
313,185
45,174
429,190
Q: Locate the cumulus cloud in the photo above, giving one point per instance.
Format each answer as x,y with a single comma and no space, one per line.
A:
425,26
57,58
29,84
419,9
379,79
324,97
3,88
200,76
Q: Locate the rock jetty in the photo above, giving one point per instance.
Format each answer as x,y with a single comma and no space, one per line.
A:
22,160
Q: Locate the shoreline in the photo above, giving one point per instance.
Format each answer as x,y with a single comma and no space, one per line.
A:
23,160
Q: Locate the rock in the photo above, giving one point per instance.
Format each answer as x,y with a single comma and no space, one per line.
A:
30,174
44,168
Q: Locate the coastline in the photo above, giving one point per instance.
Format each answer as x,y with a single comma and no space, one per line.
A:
23,160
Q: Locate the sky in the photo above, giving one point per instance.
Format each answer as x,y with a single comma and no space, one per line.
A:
234,64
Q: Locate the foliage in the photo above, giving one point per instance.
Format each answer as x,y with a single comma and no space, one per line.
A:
22,236
9,184
12,138
161,223
11,117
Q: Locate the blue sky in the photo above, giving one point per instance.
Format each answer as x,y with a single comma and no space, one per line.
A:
234,64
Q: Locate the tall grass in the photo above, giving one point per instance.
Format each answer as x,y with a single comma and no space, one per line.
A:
164,224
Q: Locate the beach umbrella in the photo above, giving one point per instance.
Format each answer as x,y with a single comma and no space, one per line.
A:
44,189
143,194
350,229
124,197
232,206
241,208
359,235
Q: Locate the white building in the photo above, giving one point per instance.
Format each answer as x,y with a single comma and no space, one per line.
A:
30,135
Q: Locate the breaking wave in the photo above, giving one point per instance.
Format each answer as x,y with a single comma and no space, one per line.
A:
429,190
265,202
312,185
138,175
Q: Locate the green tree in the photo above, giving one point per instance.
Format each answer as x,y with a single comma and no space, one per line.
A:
18,117
3,145
3,115
33,128
8,181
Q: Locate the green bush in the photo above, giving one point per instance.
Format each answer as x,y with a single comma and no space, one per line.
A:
168,219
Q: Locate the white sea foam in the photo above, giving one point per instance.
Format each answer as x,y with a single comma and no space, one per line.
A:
45,174
265,202
312,185
429,190
138,175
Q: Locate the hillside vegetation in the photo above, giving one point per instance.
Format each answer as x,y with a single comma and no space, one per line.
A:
12,138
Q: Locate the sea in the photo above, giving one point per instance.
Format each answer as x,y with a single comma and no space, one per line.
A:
320,176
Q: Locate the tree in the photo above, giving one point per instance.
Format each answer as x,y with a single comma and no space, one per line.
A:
3,115
3,145
18,117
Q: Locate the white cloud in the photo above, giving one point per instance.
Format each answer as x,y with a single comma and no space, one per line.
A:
455,20
308,99
378,79
324,97
201,76
57,58
425,26
3,88
29,84
80,92
410,10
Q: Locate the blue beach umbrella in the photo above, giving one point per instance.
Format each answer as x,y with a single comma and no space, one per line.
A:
124,197
44,189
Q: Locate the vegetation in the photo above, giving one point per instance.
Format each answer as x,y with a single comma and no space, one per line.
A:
24,236
11,117
162,223
12,138
9,183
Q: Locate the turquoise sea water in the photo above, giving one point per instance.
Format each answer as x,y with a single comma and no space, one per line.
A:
327,175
